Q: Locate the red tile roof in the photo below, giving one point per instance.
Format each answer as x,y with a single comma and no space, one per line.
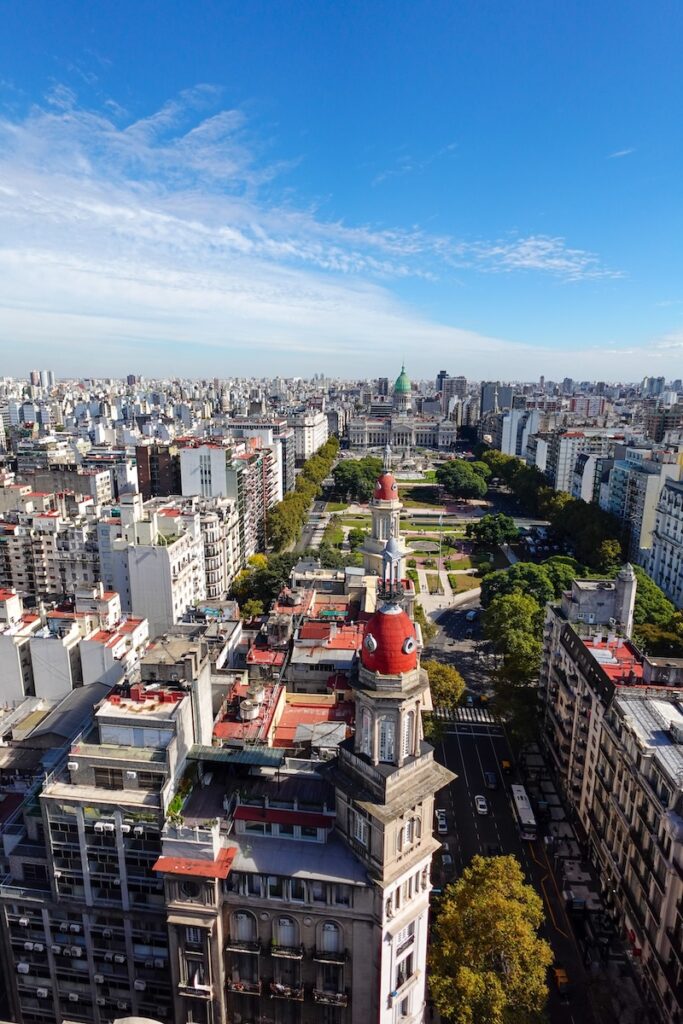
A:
219,868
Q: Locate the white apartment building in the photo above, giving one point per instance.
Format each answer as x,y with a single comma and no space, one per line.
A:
16,629
310,433
665,564
632,494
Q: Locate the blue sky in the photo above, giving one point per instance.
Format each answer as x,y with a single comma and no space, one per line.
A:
221,188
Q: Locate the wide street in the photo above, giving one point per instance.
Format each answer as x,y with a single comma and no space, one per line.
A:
474,743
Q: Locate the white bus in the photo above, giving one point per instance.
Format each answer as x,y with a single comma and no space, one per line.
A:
523,813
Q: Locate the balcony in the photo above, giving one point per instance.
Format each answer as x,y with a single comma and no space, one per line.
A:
292,992
243,946
330,998
287,952
325,956
246,988
198,991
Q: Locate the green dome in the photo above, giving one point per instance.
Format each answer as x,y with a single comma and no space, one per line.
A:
403,385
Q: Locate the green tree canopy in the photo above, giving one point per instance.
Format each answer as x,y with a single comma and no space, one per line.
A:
523,578
429,629
445,682
493,529
652,604
460,480
509,614
356,536
482,468
355,479
251,609
487,963
658,641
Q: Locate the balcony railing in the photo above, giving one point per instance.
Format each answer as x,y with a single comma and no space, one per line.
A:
247,988
330,998
200,991
279,991
288,952
327,956
243,946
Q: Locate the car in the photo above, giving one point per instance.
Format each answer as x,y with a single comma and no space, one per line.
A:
469,701
493,850
561,979
481,804
471,615
442,824
447,860
490,780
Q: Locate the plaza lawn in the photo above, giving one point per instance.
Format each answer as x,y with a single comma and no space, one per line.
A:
462,582
411,574
336,506
433,582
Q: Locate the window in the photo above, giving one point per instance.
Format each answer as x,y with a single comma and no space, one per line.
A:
261,828
331,937
404,970
408,730
318,892
275,887
360,828
253,885
109,778
297,890
341,895
285,830
286,932
307,832
189,889
366,733
193,937
405,938
386,740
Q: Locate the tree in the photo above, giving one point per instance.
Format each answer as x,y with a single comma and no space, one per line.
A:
652,605
251,609
523,578
356,536
492,530
658,641
487,963
355,479
445,683
514,624
482,469
609,555
460,480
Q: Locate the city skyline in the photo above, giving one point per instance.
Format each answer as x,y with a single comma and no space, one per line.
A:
340,189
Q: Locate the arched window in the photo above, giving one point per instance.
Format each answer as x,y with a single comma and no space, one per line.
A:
331,937
366,732
408,731
285,932
387,740
245,926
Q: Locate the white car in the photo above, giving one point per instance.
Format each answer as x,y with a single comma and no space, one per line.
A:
441,823
481,805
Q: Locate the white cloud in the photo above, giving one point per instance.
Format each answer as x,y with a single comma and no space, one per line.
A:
620,153
124,235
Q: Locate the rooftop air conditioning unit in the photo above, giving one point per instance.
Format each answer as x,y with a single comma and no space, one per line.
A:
76,951
119,958
99,826
139,985
64,926
98,979
100,1000
106,933
24,922
22,968
109,826
56,949
75,928
131,775
72,766
42,993
73,997
109,958
28,946
58,874
38,947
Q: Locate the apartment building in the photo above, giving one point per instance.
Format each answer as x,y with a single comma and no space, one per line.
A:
666,555
310,433
563,448
633,491
158,469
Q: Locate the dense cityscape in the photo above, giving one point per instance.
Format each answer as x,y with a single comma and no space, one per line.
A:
341,512
294,672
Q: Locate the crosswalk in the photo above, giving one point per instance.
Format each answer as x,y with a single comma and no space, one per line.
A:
468,716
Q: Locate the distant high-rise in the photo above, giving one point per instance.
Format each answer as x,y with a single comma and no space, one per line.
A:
131,379
440,378
34,378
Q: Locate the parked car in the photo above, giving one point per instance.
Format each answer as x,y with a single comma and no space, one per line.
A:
562,983
469,701
490,780
493,850
441,822
447,860
481,805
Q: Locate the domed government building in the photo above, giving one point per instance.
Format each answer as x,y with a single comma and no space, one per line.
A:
398,425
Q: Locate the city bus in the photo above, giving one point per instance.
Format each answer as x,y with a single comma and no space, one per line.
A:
523,813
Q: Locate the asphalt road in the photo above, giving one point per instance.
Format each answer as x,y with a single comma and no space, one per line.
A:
314,529
469,751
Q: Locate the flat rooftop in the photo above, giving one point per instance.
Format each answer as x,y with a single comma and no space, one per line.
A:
617,658
296,714
652,721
